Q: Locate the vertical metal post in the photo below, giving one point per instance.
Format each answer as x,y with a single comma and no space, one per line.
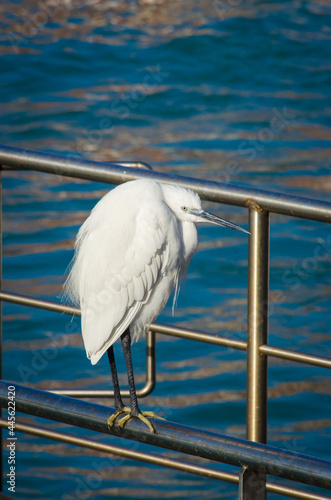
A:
253,485
257,334
150,364
1,434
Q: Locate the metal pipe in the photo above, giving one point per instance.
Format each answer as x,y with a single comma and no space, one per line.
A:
48,305
257,328
1,435
294,492
113,173
238,452
150,365
299,357
174,331
125,393
199,470
124,452
252,485
131,164
24,300
87,393
198,336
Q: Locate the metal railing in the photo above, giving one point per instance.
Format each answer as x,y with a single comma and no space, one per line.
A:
254,456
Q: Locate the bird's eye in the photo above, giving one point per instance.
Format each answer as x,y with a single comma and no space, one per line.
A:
184,209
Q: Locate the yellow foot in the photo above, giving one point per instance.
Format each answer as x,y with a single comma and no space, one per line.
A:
112,418
143,416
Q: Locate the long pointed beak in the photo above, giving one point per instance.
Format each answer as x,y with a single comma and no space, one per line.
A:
220,222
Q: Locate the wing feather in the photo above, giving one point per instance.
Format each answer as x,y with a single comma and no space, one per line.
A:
139,289
128,260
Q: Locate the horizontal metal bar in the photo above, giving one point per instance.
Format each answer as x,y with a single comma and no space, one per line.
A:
198,336
124,452
132,164
128,164
234,451
294,492
300,357
48,305
24,300
92,393
150,458
113,173
173,331
142,392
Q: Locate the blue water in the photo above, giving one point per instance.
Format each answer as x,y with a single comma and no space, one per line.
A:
232,91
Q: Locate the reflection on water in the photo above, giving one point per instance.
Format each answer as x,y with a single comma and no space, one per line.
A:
230,91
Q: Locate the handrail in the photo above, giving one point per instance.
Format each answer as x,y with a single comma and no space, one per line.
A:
124,452
259,203
163,461
243,196
174,331
234,451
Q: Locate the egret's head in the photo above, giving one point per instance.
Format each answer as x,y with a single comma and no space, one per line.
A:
186,205
183,203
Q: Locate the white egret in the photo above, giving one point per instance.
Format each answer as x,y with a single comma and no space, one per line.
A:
130,254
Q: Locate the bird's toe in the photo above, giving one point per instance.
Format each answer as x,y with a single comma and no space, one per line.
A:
151,414
143,416
113,417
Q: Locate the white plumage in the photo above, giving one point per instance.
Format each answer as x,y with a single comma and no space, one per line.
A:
130,254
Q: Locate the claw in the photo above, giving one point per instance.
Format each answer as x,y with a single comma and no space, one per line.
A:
143,416
112,418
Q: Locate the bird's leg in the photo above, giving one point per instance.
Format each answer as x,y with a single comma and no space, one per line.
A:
135,412
117,394
126,345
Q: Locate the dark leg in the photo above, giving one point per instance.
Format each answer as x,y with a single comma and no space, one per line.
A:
120,408
117,394
135,412
126,345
